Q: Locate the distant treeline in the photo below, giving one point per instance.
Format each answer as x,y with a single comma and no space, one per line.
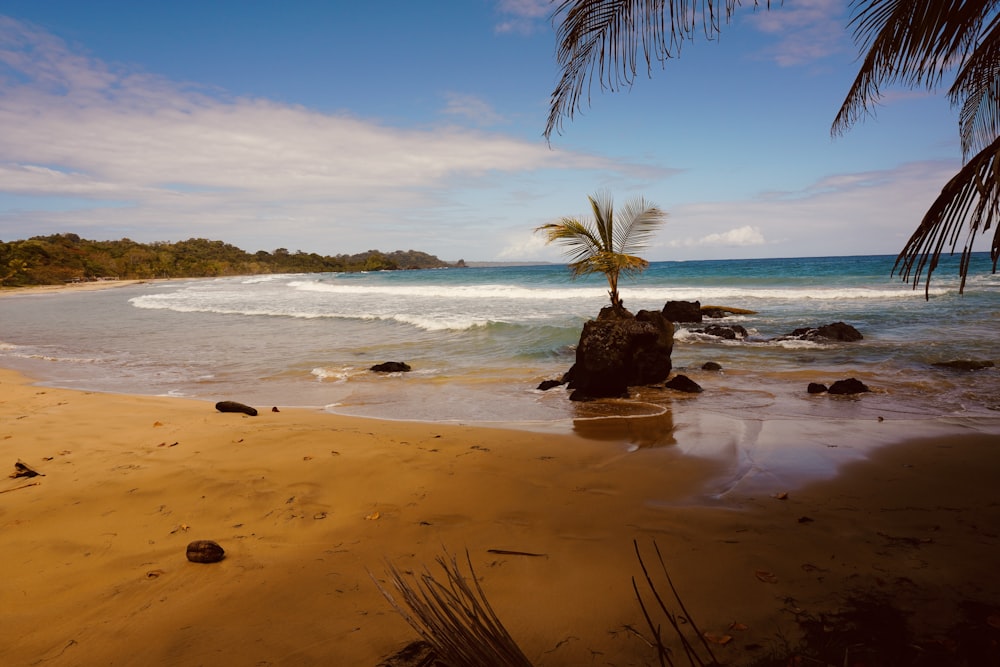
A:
60,258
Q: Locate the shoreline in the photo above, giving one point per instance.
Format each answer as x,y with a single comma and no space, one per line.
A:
88,286
308,503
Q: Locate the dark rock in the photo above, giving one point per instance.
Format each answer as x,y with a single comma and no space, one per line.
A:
965,364
545,385
275,409
619,350
848,386
730,332
682,311
391,367
205,551
716,312
233,406
816,388
711,366
837,331
683,383
22,469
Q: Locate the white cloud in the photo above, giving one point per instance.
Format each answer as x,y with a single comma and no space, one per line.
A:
842,214
805,30
473,108
524,245
522,16
161,160
740,236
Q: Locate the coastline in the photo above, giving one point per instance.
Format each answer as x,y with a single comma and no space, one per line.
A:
88,286
307,504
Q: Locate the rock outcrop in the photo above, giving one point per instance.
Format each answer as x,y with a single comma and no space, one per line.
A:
391,367
683,383
682,311
619,350
838,331
848,387
726,331
965,364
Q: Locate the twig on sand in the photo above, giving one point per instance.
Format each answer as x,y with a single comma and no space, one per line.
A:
18,488
508,552
454,617
691,650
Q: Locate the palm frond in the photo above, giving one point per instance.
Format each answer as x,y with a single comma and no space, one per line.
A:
637,222
971,197
602,205
607,40
454,616
581,239
976,90
912,42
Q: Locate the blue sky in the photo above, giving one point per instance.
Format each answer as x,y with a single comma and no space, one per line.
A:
339,127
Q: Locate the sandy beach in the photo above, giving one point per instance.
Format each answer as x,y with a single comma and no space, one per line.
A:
83,286
307,504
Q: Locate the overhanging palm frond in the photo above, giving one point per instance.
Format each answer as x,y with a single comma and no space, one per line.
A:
976,90
606,40
913,42
972,196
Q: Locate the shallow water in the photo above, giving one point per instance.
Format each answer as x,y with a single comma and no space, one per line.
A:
479,341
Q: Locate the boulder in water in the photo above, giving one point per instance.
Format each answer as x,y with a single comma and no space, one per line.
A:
619,350
391,367
682,311
965,364
838,331
683,383
848,387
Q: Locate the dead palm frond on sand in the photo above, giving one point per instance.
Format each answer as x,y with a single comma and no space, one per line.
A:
453,616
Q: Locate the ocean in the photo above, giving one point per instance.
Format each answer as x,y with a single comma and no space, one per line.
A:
480,339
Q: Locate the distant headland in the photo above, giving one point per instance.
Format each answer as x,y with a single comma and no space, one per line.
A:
66,258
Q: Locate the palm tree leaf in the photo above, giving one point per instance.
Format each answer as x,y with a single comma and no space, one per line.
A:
606,40
972,196
580,239
603,207
908,41
975,90
637,222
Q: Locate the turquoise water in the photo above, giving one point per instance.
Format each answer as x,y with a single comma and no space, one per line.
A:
479,340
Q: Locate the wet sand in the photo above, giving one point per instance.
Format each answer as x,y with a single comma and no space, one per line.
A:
308,504
86,286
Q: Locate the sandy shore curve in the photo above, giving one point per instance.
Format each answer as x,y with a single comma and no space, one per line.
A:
308,505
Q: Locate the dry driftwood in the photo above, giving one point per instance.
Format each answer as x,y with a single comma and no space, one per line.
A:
233,406
18,488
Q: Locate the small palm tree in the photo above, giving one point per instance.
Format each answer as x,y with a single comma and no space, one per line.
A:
606,244
915,43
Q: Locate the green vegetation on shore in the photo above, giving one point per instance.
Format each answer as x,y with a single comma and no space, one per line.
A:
61,258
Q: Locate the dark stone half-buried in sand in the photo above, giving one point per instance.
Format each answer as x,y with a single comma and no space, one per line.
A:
205,551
